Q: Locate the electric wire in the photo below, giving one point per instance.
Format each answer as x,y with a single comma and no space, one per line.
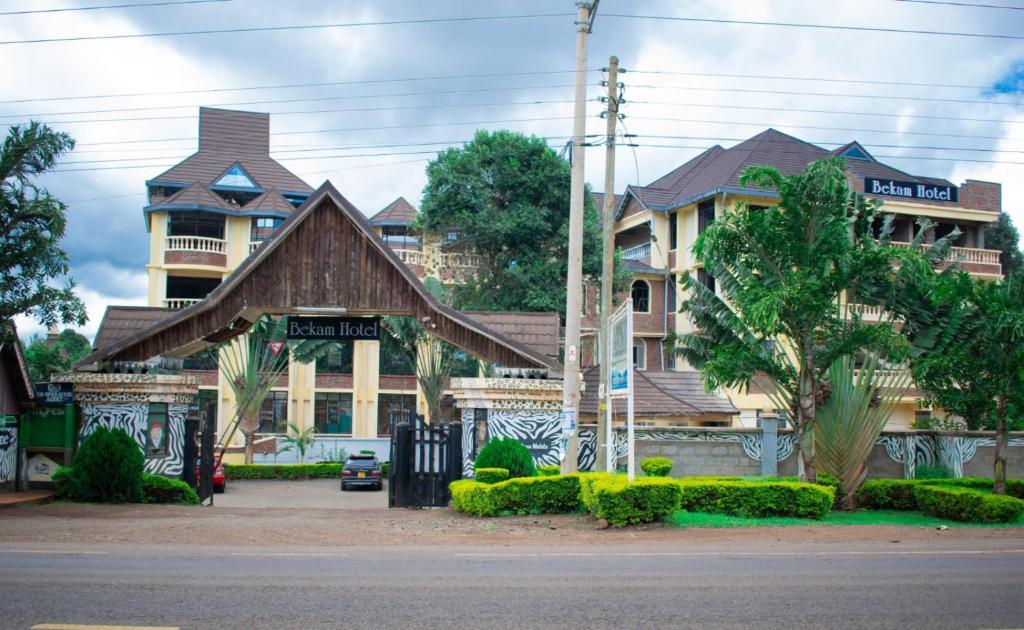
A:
111,6
972,5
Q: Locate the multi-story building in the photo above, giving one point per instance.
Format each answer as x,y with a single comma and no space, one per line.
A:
656,226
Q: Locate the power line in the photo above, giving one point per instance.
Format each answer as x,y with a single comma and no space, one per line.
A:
289,86
294,27
777,77
839,144
830,27
965,4
112,6
887,157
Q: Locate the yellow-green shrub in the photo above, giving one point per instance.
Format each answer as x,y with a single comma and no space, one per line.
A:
964,504
490,475
521,495
622,502
756,498
656,466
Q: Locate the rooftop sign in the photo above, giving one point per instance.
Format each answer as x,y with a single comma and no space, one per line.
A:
910,190
334,328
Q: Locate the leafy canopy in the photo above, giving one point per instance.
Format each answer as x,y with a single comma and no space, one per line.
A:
44,359
506,196
1005,237
32,223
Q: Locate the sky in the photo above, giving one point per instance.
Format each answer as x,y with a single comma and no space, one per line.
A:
933,105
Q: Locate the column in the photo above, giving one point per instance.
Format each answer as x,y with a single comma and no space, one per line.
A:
365,385
301,388
769,446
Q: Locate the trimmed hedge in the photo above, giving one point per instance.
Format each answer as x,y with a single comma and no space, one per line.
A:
283,471
490,475
899,494
157,489
964,504
587,481
757,498
1014,487
549,470
644,500
520,495
656,466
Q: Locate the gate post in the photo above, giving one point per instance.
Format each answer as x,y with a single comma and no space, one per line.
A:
206,455
400,468
190,452
454,462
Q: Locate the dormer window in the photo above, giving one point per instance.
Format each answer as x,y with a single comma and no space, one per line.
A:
235,177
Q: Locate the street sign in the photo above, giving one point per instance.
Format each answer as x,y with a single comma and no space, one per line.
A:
620,355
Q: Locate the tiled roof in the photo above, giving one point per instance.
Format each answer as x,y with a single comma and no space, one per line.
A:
398,212
270,201
660,394
537,330
123,321
718,168
14,370
635,266
197,195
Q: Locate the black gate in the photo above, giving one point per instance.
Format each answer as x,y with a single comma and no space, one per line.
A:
424,460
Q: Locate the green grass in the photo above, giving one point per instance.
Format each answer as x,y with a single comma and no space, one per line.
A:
861,517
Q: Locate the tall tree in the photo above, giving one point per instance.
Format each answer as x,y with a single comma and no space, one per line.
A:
45,357
1005,237
505,197
32,222
785,274
981,376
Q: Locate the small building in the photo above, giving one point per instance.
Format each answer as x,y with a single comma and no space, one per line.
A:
15,398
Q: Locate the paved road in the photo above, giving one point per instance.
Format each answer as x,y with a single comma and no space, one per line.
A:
766,586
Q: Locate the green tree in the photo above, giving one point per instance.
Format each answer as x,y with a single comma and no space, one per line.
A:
786,273
44,358
980,377
1005,237
32,222
506,198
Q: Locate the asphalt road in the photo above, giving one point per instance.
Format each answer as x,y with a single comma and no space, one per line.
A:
966,585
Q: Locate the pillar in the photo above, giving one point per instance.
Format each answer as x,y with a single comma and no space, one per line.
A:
365,385
769,446
301,392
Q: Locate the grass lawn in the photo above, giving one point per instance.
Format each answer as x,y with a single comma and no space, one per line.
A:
861,517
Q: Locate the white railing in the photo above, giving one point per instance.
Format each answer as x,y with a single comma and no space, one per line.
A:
179,303
411,256
253,245
453,260
637,252
868,313
195,244
966,254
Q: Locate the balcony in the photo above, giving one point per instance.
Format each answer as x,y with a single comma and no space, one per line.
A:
869,313
411,257
253,245
972,259
637,252
180,303
459,261
195,250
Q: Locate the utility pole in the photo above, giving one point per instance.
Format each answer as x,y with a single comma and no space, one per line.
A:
604,407
585,13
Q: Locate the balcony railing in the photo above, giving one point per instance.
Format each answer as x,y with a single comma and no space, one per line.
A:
179,303
869,313
195,244
467,261
637,252
411,257
966,254
253,245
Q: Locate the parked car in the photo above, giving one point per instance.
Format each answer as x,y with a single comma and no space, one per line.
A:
220,481
361,470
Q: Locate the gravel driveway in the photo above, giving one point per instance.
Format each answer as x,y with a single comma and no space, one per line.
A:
321,494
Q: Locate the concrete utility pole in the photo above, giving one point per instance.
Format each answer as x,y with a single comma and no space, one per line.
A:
604,411
574,291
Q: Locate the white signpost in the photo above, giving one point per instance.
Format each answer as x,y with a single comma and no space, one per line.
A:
620,379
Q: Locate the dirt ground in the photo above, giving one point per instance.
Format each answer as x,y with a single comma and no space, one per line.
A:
378,526
311,493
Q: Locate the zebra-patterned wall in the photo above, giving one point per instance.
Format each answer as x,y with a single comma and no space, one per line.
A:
133,418
8,452
539,430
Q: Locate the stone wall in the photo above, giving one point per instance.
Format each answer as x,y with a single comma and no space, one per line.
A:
700,458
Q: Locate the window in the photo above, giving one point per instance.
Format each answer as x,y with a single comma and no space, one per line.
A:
186,288
392,409
394,360
198,223
464,365
263,227
399,236
639,354
202,360
673,230
336,360
673,287
332,413
207,397
641,294
156,430
705,215
274,413
706,279
235,177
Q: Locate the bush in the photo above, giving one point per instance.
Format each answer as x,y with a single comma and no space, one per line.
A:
385,469
549,470
108,468
157,489
1014,487
888,494
757,498
62,479
587,480
284,471
622,502
970,506
656,466
932,472
521,495
490,475
509,454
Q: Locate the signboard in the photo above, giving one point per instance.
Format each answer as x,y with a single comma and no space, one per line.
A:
568,420
53,394
910,190
620,350
334,328
41,468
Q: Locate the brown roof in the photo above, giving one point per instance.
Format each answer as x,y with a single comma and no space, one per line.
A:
14,368
123,321
270,200
197,195
536,330
227,137
398,211
660,394
718,168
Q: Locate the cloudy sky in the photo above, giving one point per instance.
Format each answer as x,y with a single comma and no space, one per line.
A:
390,95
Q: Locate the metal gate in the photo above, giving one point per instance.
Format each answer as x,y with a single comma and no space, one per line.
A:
424,460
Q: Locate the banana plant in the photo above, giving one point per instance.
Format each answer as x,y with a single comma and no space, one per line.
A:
859,402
